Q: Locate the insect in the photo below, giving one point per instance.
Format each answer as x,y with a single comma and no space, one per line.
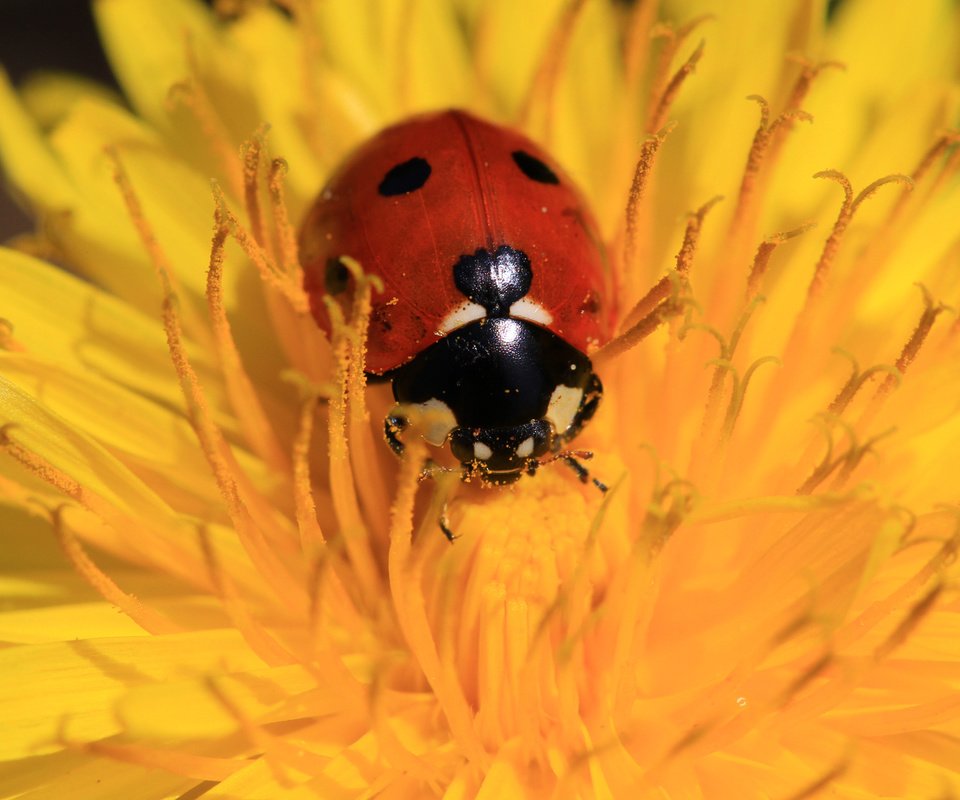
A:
495,288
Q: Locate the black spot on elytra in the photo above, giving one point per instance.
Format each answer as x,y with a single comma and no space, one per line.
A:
494,280
590,304
405,177
336,276
534,168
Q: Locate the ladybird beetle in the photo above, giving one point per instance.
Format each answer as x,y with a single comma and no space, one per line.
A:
495,287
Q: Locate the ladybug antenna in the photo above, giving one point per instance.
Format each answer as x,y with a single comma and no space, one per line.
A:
572,459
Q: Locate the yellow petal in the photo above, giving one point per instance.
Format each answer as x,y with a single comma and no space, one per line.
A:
73,323
67,690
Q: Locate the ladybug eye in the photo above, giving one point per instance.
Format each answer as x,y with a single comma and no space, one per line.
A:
534,168
336,276
405,178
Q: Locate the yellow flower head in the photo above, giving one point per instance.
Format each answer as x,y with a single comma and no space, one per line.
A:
251,597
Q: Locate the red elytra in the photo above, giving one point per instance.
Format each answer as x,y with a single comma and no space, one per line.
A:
486,187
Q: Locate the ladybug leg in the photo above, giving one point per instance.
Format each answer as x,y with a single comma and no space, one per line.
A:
393,426
445,525
582,472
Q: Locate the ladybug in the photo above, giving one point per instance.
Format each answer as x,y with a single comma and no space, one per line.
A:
495,284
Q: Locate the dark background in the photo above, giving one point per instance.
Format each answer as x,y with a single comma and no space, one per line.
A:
47,35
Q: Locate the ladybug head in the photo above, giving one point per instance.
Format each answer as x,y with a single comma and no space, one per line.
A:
501,455
502,391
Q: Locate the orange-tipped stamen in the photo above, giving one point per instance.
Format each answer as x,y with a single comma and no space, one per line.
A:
848,208
637,41
162,551
673,40
267,648
313,105
808,73
762,258
662,107
219,456
174,762
286,235
547,74
662,301
406,589
915,615
641,177
151,620
243,397
640,331
269,273
814,788
354,534
311,535
856,381
194,97
364,447
691,236
934,152
758,161
251,152
910,350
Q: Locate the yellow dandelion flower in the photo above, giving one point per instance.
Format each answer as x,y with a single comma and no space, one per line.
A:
250,597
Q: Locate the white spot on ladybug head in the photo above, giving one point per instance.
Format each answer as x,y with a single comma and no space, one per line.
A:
525,448
530,310
562,409
438,421
482,451
460,316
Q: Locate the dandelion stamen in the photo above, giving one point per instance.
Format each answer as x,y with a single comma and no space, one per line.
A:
175,762
312,539
193,96
343,487
243,396
547,74
817,786
915,615
641,177
927,160
856,381
162,552
691,236
739,392
255,635
659,309
672,89
673,40
762,258
363,450
269,273
151,620
405,573
849,207
275,753
312,56
910,350
251,152
638,39
289,257
760,161
226,471
808,74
